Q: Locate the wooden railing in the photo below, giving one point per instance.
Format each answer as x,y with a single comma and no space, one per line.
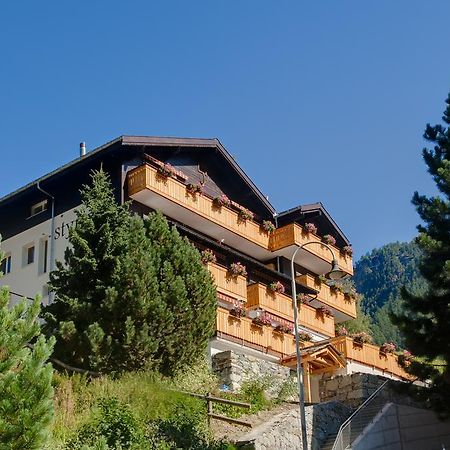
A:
293,234
332,298
147,177
280,305
232,286
369,355
244,332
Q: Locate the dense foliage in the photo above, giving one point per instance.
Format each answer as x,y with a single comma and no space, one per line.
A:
26,394
131,293
379,278
425,317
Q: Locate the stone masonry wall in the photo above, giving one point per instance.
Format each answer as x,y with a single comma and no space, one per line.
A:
235,368
282,432
349,389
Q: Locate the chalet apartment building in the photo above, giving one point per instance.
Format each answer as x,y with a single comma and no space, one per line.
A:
202,190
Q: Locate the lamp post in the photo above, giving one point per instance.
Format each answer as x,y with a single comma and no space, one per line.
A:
334,274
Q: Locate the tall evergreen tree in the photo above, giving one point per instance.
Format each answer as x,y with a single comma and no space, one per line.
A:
425,318
26,393
132,294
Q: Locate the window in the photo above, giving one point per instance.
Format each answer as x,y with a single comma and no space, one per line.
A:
5,265
38,208
30,255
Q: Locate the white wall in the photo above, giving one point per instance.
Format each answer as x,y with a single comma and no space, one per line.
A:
29,279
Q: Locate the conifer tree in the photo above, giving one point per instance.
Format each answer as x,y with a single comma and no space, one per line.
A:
426,317
132,293
26,393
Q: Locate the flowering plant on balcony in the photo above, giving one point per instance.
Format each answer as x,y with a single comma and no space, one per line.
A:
388,347
303,298
221,200
325,311
304,336
320,279
268,226
310,228
341,331
334,288
405,358
284,328
238,311
237,269
245,214
194,188
347,250
208,256
166,170
362,338
276,287
261,320
328,239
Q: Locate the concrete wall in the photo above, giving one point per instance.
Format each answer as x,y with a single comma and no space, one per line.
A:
402,427
29,279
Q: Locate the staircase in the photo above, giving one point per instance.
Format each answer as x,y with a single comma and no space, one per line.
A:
358,421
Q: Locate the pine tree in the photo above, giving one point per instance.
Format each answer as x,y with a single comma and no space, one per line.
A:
426,317
26,393
132,293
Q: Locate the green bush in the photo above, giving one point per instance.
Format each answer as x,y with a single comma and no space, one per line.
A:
113,426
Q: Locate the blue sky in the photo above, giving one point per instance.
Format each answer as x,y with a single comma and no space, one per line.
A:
318,101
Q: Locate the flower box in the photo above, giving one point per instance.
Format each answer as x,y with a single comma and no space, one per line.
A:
310,228
262,320
303,298
245,214
361,338
276,287
238,312
328,239
289,329
347,250
324,311
194,188
221,200
268,226
237,269
166,170
304,337
208,256
388,347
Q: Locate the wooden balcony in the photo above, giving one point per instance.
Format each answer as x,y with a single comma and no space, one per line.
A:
369,355
344,307
235,287
263,338
197,211
281,305
315,257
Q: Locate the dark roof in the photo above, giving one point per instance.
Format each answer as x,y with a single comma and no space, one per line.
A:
148,141
302,211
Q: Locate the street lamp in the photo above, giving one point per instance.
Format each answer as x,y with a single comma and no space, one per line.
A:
334,274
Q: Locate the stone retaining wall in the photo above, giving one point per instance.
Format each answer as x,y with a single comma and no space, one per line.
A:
282,432
349,389
235,368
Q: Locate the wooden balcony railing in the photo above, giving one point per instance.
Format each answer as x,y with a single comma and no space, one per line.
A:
281,305
262,338
369,355
235,287
147,177
294,234
333,299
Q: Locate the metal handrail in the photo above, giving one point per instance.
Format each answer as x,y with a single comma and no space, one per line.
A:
349,419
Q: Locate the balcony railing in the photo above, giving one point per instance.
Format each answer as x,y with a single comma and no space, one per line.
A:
332,298
146,178
235,287
293,234
280,305
369,355
263,338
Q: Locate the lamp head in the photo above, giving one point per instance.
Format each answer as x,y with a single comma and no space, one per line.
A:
336,273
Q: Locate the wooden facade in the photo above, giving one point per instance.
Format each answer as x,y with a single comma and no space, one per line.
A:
332,298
